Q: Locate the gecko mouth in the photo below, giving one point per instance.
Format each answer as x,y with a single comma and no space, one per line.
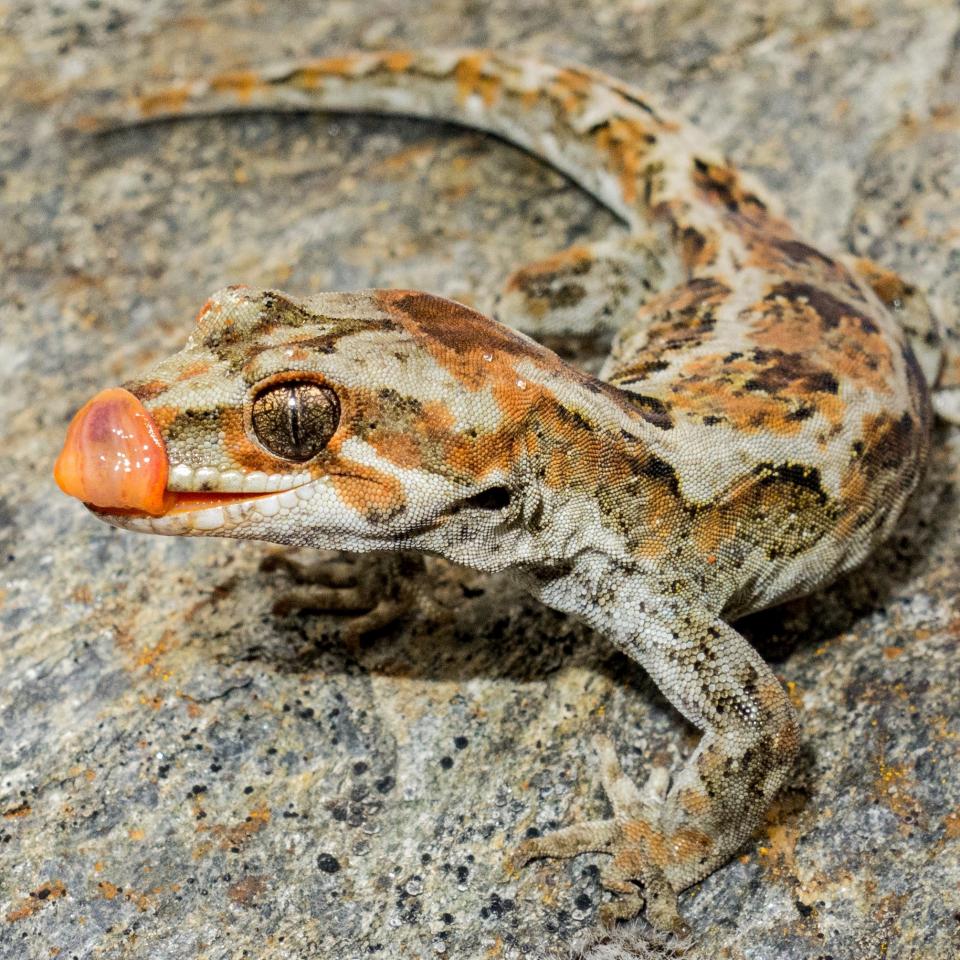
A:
177,502
115,461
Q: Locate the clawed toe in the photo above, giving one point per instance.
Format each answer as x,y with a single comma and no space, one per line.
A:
626,907
631,874
378,590
595,836
323,568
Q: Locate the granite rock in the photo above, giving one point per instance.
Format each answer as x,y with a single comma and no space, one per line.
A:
183,773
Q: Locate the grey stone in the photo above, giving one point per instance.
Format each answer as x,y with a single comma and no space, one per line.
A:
180,769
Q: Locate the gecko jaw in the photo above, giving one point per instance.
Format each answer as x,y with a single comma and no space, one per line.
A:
204,512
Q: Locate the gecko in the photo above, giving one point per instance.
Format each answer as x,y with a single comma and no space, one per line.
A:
760,421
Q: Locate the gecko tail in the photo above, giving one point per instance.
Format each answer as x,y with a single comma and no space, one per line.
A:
610,138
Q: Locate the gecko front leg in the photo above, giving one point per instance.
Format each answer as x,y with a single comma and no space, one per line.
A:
659,846
376,589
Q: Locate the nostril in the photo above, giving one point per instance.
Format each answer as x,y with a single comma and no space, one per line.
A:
493,498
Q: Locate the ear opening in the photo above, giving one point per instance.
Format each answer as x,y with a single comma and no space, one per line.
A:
493,498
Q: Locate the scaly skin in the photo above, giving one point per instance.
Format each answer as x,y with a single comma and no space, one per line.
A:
755,432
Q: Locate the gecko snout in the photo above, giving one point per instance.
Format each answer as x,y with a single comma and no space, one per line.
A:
114,456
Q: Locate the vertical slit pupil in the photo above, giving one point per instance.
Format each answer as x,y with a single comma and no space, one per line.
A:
295,421
293,409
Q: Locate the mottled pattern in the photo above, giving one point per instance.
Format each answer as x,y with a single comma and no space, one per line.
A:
756,431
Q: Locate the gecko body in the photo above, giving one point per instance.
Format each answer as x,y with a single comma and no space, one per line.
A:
762,417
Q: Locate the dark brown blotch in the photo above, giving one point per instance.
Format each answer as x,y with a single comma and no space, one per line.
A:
831,310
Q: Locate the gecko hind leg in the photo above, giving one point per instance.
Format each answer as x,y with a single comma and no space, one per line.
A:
379,588
937,352
585,289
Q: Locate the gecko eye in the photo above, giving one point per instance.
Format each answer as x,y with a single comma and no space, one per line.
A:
295,419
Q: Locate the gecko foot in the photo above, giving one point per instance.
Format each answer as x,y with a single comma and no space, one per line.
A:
632,839
379,589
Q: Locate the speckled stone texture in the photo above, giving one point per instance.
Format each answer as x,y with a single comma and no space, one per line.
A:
184,774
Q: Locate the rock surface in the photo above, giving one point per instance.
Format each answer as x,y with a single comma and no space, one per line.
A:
184,774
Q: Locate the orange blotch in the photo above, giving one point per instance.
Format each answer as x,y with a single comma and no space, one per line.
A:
695,802
691,844
171,100
194,369
472,80
711,385
403,449
647,844
477,351
311,75
570,89
625,142
396,61
373,494
574,259
795,326
241,83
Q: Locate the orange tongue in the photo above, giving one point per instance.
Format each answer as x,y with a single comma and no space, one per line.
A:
113,456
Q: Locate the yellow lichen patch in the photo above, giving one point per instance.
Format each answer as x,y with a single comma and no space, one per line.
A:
140,899
496,948
108,890
14,813
149,656
793,692
894,788
37,900
779,854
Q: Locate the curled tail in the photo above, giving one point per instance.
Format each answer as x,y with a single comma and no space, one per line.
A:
637,159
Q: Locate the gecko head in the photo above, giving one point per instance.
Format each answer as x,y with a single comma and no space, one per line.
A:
361,421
